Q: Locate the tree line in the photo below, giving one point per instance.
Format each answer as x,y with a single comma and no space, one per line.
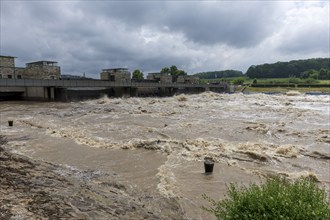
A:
219,74
317,68
172,70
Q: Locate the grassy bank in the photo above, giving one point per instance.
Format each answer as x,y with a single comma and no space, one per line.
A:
286,89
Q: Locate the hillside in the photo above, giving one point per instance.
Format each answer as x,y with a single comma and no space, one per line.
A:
219,74
294,68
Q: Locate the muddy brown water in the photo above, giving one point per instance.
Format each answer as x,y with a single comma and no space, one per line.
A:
158,144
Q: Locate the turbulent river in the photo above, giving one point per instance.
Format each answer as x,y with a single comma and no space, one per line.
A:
157,145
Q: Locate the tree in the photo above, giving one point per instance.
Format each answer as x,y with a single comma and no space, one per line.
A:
137,74
287,69
165,70
310,74
219,74
238,81
173,70
324,74
180,73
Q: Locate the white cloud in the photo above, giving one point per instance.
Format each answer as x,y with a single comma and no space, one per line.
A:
196,36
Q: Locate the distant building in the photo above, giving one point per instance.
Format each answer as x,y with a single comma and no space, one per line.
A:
42,70
188,79
116,75
34,70
7,67
75,77
160,77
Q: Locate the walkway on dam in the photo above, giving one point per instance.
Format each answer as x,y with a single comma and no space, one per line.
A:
64,90
99,83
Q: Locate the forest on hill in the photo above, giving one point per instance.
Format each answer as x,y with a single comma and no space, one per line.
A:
219,74
315,68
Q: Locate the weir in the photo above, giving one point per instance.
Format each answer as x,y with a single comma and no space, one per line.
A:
67,90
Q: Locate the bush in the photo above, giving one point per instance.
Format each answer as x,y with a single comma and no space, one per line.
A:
238,81
294,80
310,81
275,199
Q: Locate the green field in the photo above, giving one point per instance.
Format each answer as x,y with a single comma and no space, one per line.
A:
284,89
277,84
269,80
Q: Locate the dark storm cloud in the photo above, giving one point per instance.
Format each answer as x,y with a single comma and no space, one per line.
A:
87,36
238,24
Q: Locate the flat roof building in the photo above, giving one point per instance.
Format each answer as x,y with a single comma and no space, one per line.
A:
42,70
160,77
41,63
7,66
116,75
33,70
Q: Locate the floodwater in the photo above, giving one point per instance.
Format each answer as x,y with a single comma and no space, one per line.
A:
157,145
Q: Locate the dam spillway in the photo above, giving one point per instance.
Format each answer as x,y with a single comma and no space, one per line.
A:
66,90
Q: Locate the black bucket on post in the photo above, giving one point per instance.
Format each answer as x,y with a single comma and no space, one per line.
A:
208,165
10,123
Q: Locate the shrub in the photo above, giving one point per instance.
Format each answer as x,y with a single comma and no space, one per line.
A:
294,80
310,81
275,199
238,81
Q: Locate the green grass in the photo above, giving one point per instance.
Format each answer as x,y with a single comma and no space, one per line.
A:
275,199
284,89
270,80
326,82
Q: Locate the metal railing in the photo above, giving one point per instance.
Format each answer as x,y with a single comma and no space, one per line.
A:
97,83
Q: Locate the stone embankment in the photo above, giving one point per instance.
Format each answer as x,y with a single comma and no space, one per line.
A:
31,189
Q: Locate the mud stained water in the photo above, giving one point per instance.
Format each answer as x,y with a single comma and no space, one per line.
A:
157,145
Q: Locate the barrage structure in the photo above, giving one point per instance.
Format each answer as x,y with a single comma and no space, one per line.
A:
42,80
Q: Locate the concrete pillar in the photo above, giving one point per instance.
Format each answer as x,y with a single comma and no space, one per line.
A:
36,93
133,92
127,92
60,94
50,93
119,92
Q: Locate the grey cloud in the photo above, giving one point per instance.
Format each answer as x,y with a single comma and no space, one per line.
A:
86,36
239,24
307,40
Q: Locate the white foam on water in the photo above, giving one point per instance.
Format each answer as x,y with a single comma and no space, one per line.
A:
257,133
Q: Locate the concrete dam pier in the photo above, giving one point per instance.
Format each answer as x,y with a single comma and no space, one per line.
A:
70,90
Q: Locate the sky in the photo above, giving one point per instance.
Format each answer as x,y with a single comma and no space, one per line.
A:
196,36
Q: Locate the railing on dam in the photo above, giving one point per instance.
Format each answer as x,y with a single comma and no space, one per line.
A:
98,83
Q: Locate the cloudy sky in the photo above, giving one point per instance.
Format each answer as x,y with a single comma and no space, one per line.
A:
196,36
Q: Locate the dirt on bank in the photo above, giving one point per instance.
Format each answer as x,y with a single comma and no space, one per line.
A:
31,189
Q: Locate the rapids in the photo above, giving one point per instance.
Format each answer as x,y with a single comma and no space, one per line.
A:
157,145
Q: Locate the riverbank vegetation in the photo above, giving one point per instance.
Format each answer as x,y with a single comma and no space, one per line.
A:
317,68
310,73
275,199
320,90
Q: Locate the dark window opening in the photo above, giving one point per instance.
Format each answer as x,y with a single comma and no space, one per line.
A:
10,76
19,77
